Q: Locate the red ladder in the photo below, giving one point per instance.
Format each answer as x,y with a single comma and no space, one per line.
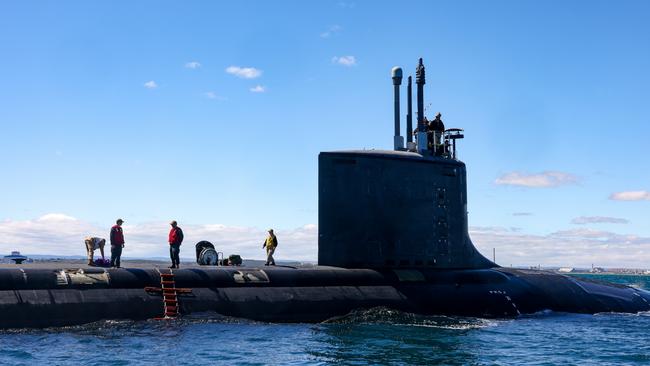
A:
170,298
169,293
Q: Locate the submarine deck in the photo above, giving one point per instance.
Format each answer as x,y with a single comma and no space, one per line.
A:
49,293
132,263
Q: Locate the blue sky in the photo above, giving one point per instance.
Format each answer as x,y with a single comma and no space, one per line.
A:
213,113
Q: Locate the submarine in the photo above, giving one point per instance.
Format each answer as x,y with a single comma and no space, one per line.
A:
393,232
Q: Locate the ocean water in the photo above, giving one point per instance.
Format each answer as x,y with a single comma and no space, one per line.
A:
376,336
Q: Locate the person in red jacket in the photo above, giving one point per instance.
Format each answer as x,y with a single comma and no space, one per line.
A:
117,243
175,240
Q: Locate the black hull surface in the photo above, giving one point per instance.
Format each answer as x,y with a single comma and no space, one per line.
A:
42,297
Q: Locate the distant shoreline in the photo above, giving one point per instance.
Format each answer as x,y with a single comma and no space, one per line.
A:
607,273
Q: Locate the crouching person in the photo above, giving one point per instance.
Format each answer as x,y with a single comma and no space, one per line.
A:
92,244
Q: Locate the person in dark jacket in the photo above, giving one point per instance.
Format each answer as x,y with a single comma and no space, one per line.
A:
437,130
117,243
175,240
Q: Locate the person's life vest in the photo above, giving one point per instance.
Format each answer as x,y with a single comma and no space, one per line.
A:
271,241
175,236
117,236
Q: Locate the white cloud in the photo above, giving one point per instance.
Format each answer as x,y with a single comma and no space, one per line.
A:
55,217
258,89
574,248
344,60
586,233
522,214
346,4
598,220
59,234
193,65
542,180
150,84
51,233
214,96
331,31
244,72
630,196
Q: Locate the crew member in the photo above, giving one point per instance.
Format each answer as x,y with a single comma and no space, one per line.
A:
93,243
429,135
270,244
117,243
436,130
175,240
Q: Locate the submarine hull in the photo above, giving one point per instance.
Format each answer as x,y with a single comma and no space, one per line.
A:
43,298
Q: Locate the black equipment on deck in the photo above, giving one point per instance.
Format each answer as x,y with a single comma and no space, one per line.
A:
206,255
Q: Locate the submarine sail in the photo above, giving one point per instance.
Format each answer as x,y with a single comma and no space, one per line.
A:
401,208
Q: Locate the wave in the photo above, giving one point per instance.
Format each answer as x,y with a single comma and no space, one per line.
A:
108,327
383,315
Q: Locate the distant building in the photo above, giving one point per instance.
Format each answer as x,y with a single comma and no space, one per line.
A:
566,270
597,270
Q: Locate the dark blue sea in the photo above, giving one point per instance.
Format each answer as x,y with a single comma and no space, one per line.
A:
377,336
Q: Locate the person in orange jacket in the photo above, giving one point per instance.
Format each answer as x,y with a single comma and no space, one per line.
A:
117,243
175,240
